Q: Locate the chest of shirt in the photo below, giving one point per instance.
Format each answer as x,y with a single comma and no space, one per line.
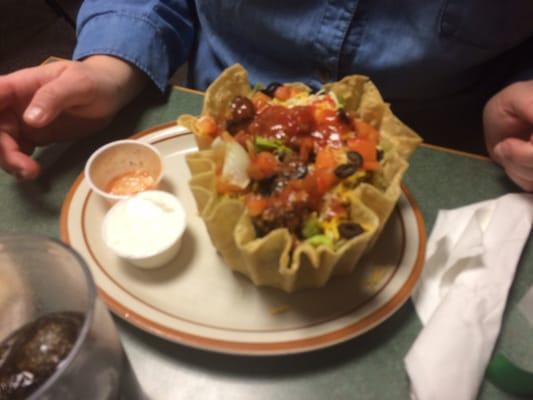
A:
408,47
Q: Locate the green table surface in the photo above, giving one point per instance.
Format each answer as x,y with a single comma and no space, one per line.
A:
368,367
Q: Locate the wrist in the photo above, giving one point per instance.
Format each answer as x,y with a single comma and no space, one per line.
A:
121,80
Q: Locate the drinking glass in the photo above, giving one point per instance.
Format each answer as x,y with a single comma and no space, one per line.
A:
39,276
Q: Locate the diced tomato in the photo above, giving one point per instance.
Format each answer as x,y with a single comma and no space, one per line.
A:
299,196
263,165
366,131
310,186
371,165
310,183
306,145
207,126
295,90
283,196
366,148
260,101
326,102
337,209
256,204
224,187
325,158
290,195
325,179
328,123
282,93
324,115
296,184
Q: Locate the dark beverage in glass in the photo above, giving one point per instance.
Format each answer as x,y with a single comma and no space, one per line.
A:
57,339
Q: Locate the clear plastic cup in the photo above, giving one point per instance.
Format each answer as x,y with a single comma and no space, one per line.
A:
40,276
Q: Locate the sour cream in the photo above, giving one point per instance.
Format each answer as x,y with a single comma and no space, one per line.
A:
145,229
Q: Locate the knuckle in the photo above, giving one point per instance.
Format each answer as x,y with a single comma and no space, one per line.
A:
84,81
49,91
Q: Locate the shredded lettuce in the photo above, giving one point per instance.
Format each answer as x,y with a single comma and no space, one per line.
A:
311,228
265,144
320,240
338,99
257,88
341,101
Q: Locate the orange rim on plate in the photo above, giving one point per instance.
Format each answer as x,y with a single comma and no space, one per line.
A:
256,348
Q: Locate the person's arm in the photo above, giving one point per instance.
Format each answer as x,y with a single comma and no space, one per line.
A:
154,35
508,127
96,88
120,43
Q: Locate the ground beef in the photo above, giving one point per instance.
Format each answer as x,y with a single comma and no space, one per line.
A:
290,216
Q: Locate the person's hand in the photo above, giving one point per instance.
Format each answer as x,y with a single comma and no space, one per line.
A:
60,101
508,126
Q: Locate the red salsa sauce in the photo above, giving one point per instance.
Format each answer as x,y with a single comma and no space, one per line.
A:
297,153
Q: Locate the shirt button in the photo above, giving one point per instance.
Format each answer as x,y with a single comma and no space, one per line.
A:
324,75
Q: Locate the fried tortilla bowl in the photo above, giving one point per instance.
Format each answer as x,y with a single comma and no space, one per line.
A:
279,259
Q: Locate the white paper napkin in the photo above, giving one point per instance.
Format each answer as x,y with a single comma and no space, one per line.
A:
471,260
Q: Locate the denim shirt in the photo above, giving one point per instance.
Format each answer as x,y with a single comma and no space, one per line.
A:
414,50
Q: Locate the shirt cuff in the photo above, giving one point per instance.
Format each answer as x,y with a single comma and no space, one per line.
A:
131,38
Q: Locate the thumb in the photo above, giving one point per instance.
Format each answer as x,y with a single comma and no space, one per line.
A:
518,101
67,90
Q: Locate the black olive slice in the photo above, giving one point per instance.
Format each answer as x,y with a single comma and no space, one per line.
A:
355,158
343,117
349,230
345,170
271,88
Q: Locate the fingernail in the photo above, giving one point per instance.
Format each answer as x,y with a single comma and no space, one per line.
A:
21,174
34,114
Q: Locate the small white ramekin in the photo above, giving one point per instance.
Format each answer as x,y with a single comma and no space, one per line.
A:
146,259
119,158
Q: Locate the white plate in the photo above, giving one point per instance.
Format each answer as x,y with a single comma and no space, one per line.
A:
197,301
